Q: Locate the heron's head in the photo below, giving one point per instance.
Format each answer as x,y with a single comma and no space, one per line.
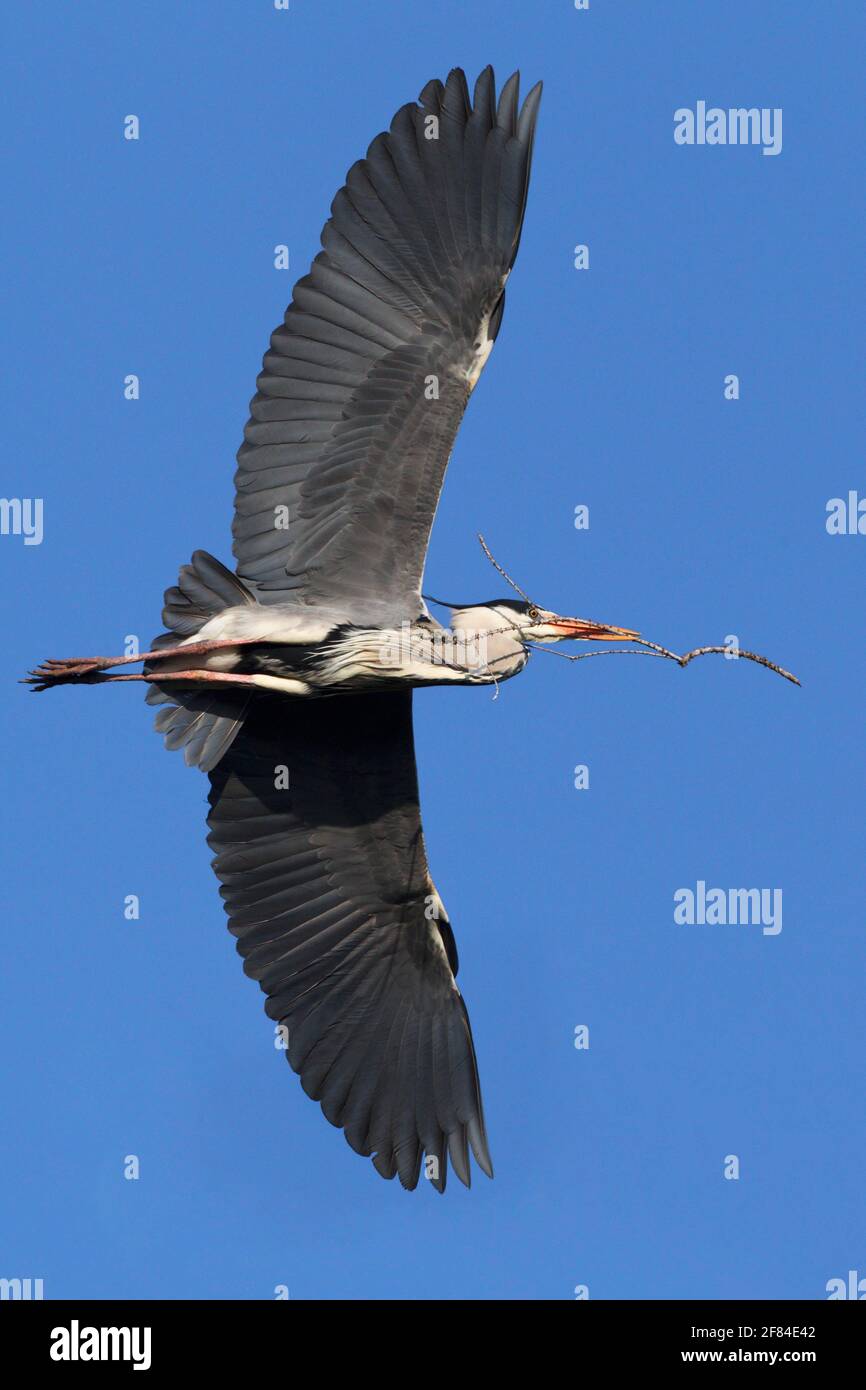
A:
529,623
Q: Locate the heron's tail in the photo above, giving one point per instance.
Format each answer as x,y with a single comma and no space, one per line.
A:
204,588
203,723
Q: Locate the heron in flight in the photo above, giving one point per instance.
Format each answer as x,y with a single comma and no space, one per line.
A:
290,681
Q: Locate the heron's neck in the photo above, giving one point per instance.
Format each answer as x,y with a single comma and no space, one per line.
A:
503,651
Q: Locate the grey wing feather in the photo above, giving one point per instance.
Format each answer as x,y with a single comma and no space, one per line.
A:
367,379
203,724
327,891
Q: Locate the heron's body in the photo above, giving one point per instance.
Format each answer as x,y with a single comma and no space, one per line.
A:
355,659
314,801
303,654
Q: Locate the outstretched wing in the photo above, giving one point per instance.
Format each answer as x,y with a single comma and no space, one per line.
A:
326,886
368,377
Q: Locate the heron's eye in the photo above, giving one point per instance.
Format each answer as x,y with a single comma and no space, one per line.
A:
534,613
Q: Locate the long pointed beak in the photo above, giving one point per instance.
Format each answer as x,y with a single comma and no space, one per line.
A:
582,630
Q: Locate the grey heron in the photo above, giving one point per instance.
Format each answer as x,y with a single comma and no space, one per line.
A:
290,681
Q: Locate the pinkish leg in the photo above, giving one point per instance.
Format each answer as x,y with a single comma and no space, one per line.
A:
217,677
83,665
43,680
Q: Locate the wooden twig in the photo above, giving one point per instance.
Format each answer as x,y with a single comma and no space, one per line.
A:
653,649
496,565
645,647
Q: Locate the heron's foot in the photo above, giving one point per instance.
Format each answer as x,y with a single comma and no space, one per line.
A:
73,666
72,669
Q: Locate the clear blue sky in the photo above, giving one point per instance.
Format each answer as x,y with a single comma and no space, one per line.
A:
707,517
